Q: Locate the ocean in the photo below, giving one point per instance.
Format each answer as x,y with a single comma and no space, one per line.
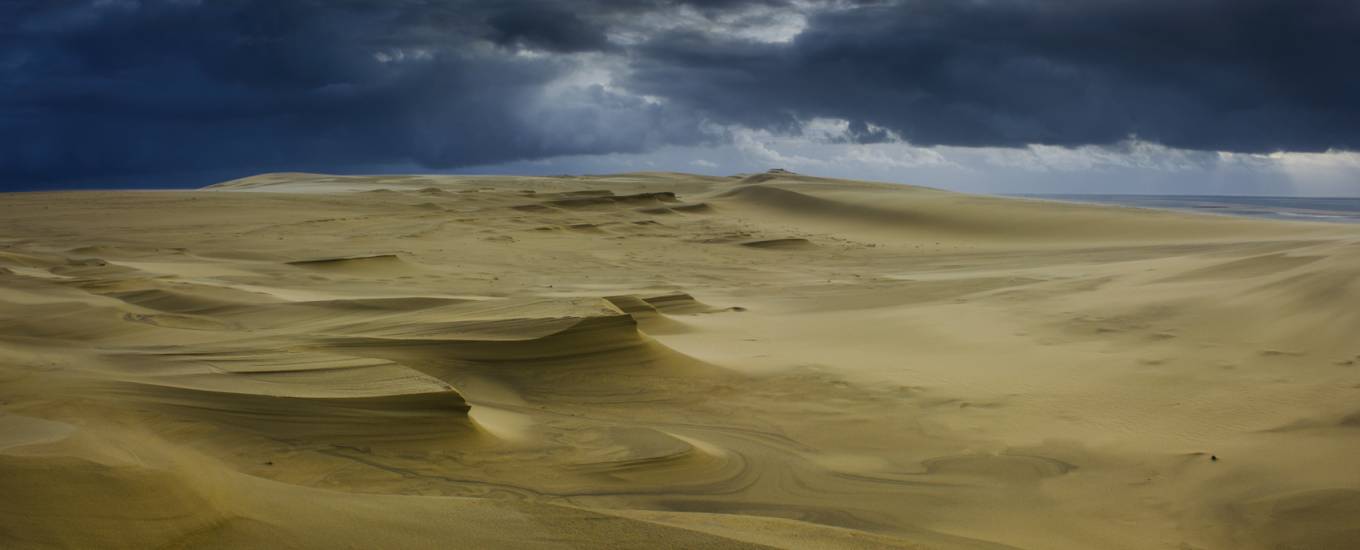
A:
1318,209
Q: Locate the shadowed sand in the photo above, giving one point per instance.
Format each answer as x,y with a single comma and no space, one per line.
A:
668,360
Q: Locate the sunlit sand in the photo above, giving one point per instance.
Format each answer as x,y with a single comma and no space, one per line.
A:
668,360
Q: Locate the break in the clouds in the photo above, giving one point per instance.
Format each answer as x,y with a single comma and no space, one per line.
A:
1100,95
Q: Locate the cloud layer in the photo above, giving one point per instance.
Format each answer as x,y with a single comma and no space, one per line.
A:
1235,75
188,91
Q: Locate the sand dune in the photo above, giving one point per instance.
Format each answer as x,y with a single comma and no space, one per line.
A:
668,360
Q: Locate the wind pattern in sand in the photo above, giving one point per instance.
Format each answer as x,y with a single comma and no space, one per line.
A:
667,360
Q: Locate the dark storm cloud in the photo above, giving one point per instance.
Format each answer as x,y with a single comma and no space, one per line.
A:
546,28
144,91
1239,75
190,91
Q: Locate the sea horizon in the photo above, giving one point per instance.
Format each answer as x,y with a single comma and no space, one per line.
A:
1322,209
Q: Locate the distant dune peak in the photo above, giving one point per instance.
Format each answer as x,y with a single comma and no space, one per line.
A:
768,175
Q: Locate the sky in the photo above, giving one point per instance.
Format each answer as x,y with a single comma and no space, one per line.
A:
997,96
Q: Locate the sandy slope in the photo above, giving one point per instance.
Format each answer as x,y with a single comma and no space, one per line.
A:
666,360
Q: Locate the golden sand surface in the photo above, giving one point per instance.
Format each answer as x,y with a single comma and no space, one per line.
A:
663,360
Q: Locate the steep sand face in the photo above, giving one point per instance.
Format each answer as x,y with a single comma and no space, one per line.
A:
668,360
